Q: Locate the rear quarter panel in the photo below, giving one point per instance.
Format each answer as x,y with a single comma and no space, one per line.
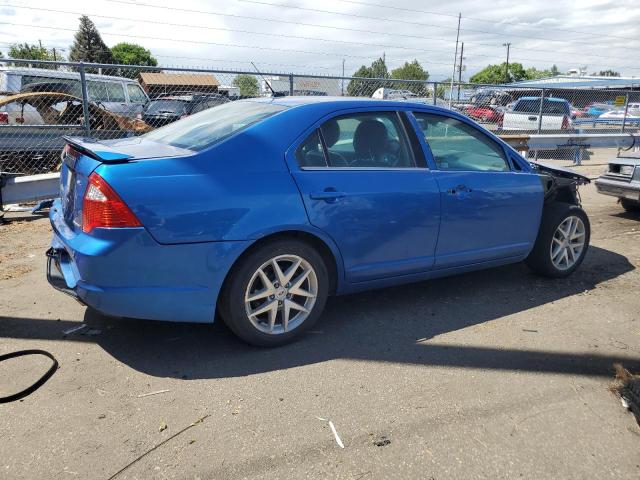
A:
238,190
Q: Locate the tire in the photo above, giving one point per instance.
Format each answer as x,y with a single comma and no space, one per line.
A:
541,259
630,205
245,282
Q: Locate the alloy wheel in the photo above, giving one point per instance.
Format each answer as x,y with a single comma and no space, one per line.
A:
281,294
567,243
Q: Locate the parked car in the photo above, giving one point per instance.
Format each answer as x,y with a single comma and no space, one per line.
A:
622,180
525,115
492,97
485,113
120,95
27,148
598,108
169,108
259,209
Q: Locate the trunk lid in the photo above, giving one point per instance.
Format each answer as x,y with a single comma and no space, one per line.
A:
81,156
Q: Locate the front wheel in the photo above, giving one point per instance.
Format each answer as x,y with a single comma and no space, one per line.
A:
562,241
275,293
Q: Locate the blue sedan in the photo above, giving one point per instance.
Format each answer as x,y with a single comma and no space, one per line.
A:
256,211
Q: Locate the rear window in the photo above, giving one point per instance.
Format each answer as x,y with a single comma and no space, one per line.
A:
548,106
206,128
177,107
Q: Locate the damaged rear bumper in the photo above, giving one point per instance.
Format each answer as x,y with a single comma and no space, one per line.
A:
618,189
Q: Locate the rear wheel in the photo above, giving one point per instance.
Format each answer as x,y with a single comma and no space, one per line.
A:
275,293
562,241
630,205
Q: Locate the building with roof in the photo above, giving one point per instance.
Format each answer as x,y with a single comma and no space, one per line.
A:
160,83
582,82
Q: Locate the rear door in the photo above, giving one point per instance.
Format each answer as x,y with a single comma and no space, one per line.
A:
364,183
490,211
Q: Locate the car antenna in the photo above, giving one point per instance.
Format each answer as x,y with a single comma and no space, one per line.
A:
273,92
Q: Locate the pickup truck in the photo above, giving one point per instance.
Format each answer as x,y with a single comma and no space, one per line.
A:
525,115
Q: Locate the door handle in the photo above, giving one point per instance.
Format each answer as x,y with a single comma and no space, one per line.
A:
327,195
460,189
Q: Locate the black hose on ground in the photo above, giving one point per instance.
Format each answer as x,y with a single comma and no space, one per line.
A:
41,381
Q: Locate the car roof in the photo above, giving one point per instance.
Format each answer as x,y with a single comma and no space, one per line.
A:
550,99
338,102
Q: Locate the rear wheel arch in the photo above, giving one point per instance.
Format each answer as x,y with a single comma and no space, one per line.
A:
330,258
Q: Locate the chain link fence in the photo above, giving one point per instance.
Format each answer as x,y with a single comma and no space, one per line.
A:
40,102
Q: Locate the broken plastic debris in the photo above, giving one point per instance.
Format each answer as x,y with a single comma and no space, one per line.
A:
69,331
152,393
333,429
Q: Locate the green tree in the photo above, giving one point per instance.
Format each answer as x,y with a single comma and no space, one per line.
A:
88,45
496,74
248,85
607,73
365,88
32,52
411,71
132,54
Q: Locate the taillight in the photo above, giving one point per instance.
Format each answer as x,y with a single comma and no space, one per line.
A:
103,208
565,123
4,118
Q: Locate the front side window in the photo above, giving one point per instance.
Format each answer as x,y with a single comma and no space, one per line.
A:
367,140
208,127
136,95
456,145
116,92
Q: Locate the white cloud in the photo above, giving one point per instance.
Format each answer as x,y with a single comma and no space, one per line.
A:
539,32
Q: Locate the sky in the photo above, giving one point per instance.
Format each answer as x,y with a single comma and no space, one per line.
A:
307,36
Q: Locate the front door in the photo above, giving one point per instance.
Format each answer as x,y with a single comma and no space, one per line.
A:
489,210
364,185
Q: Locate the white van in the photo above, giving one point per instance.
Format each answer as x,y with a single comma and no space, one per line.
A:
117,94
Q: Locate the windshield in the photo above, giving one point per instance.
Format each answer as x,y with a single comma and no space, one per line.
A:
548,106
203,129
176,107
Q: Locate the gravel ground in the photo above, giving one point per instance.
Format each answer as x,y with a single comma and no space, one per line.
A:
494,374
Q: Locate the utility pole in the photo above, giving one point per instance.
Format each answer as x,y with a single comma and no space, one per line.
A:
455,61
54,54
460,69
506,68
342,81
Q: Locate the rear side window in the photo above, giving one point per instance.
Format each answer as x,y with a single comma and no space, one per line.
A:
367,140
456,145
210,126
97,91
550,107
310,153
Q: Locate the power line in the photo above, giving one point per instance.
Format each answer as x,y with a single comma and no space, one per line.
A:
408,22
395,34
274,20
256,47
485,20
252,32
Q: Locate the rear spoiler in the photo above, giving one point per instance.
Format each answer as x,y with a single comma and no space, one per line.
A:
96,150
